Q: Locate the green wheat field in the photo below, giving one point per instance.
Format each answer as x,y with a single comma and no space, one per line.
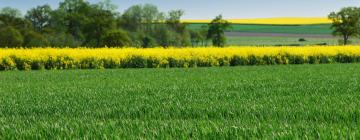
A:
249,102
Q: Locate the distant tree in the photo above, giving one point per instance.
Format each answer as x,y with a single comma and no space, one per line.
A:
100,22
12,17
346,23
164,37
12,12
141,18
145,40
73,15
216,31
180,35
107,5
197,37
62,39
10,37
116,38
150,17
35,39
132,18
40,17
173,20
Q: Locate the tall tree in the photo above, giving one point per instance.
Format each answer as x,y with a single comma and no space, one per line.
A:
173,20
40,17
150,15
12,17
12,22
98,25
346,23
73,14
132,18
141,18
216,31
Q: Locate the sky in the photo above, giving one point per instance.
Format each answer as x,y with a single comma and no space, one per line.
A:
207,9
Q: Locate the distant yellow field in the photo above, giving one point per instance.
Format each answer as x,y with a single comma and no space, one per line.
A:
276,21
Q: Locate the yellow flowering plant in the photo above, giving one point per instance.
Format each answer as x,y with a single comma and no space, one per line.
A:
86,58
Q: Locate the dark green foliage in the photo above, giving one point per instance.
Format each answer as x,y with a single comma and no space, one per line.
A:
116,38
198,37
79,23
34,39
259,102
173,20
302,39
147,41
216,31
135,62
10,37
346,23
62,40
40,17
98,27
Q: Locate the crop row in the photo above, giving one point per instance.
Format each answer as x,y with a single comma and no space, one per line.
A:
84,58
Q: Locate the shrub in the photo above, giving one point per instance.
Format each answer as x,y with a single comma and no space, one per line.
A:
302,40
116,38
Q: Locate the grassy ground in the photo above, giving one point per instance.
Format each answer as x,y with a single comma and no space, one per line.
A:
291,29
307,101
282,41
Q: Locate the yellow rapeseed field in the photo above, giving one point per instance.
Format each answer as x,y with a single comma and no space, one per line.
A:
83,58
273,21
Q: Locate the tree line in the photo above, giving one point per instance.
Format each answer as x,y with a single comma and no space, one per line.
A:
79,23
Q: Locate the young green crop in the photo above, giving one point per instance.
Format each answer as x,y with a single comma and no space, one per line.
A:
259,102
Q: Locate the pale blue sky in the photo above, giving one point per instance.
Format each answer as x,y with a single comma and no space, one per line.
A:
206,9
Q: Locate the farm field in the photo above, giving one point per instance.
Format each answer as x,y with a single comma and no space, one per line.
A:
296,101
276,31
272,21
258,28
282,40
280,35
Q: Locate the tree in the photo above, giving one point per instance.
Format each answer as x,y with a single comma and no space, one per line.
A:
62,39
141,18
116,38
132,18
12,12
173,20
346,23
40,17
100,22
34,39
197,37
216,31
106,5
73,14
12,17
10,37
